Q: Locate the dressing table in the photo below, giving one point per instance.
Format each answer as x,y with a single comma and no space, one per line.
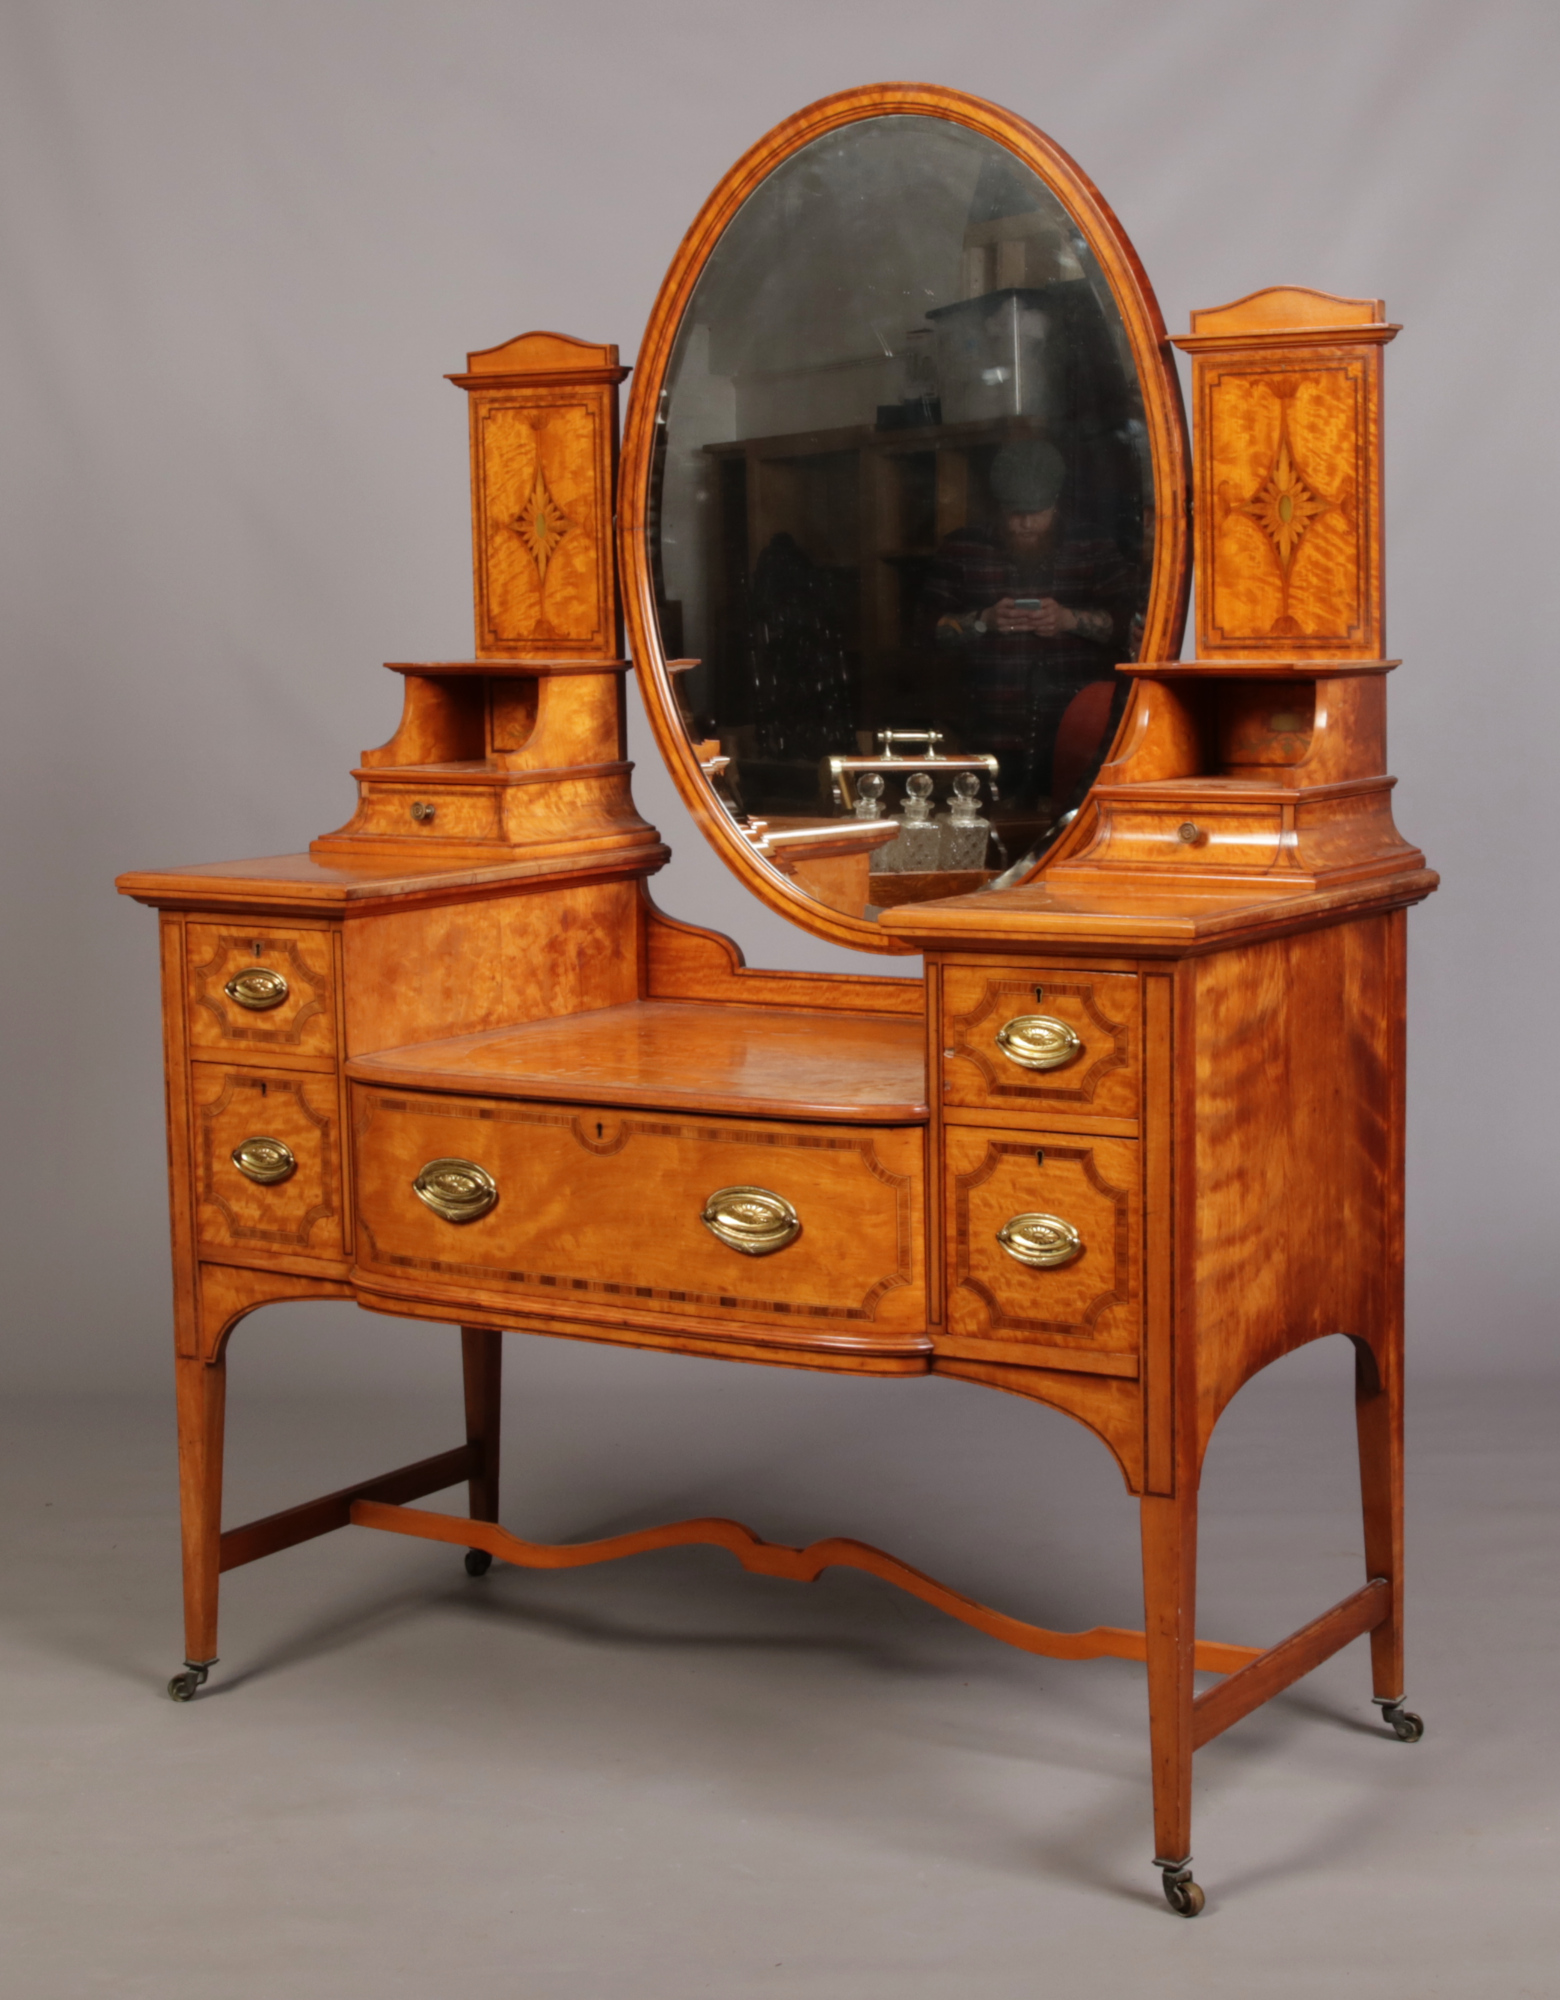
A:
1137,1129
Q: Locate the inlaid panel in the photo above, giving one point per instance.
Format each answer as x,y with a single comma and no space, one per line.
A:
1288,454
601,1206
255,987
233,1108
1093,1044
1286,391
1085,1311
542,526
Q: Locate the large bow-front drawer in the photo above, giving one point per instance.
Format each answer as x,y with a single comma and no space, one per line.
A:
584,1210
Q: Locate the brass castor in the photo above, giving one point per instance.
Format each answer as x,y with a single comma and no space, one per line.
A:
183,1685
478,1562
1181,1892
1404,1724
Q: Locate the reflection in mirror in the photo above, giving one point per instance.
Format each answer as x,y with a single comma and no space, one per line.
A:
901,514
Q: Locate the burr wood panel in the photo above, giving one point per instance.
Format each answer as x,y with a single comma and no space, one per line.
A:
435,970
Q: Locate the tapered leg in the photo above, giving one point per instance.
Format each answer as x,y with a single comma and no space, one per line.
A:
1378,1413
482,1361
1169,1623
202,1401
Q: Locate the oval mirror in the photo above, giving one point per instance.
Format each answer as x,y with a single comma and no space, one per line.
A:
903,482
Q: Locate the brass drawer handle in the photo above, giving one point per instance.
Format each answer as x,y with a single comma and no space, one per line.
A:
266,1161
459,1190
1042,1241
423,810
258,988
754,1220
1039,1041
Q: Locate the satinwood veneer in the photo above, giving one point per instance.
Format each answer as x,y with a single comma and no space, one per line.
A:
1135,1133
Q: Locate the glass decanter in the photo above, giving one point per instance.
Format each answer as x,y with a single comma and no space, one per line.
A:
916,849
869,797
869,807
962,833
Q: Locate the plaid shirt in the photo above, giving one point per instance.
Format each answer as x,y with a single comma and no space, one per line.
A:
1015,685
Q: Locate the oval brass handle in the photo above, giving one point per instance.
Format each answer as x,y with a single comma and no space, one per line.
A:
459,1190
264,1160
754,1220
1041,1241
258,988
1039,1041
423,810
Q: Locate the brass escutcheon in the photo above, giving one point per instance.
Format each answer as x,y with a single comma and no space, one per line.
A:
754,1220
459,1190
266,1161
258,988
1039,1041
1042,1241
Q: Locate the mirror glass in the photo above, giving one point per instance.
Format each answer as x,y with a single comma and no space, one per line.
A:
901,513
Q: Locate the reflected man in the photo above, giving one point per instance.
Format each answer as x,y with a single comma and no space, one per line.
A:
1031,615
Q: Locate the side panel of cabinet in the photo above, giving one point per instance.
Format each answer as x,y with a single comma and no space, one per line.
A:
1291,1188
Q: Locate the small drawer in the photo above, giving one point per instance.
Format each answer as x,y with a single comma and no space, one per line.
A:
1212,832
257,988
267,1159
1045,1246
432,812
1022,1038
820,1226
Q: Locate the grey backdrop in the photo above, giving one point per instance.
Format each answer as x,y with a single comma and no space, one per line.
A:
244,239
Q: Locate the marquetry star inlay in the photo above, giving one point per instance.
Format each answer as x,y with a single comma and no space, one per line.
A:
1285,505
541,524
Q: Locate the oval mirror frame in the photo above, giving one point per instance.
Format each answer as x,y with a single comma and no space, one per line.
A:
1164,417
